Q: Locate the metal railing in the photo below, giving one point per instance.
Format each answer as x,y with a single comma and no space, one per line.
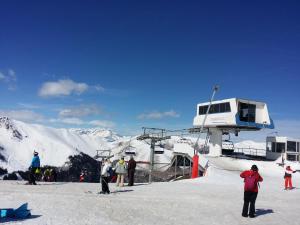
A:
257,152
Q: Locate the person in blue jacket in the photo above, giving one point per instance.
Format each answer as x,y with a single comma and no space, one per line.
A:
34,166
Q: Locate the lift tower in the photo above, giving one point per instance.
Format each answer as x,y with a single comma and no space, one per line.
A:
155,135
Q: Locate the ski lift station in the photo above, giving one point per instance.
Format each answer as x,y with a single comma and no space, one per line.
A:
231,116
285,147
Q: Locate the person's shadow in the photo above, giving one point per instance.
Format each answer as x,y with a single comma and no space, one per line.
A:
121,191
261,212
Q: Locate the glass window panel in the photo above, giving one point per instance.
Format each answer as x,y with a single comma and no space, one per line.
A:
205,109
223,107
280,147
212,109
227,107
291,157
202,110
291,146
269,146
247,112
273,146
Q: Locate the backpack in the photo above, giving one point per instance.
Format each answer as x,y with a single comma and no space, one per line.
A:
250,183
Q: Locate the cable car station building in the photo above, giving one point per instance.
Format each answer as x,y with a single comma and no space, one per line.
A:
231,116
285,147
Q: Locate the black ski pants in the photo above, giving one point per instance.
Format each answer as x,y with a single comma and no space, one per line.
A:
131,177
104,183
32,175
249,198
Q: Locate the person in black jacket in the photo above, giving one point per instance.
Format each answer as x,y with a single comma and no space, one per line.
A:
131,171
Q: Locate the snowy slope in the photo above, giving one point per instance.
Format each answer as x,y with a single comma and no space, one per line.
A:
214,199
19,140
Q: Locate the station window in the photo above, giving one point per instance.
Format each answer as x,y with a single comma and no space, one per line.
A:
247,112
280,147
292,157
269,146
273,146
203,110
215,108
291,146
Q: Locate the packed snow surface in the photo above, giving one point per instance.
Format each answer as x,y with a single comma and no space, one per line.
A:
216,198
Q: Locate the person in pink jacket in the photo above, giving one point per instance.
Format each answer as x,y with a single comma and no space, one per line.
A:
251,179
288,178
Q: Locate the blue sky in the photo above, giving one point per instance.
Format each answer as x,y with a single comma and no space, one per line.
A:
128,64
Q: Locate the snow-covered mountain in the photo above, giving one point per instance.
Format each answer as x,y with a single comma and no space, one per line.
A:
18,140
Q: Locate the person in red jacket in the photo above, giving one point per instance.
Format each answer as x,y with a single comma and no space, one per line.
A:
251,179
288,178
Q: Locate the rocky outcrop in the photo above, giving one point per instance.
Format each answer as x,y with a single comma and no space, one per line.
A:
6,123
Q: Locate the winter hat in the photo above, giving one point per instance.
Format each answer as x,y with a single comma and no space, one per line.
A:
35,153
254,168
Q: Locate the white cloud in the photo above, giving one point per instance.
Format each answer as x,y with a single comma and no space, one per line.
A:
99,88
102,123
12,75
62,88
171,113
71,120
75,121
79,122
22,115
159,115
29,106
2,76
10,79
80,111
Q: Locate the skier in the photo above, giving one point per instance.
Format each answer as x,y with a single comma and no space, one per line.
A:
34,167
131,170
105,177
121,171
47,175
81,177
53,175
288,178
251,179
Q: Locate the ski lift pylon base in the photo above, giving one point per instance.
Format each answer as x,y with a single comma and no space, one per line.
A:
195,170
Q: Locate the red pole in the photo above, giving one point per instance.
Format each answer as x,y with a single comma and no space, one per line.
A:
195,170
